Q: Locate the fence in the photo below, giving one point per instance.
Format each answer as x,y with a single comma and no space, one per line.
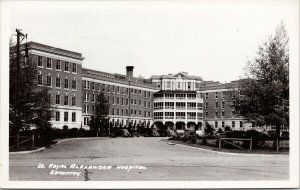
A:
227,140
23,140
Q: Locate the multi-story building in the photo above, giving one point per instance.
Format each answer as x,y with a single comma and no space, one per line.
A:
218,110
176,101
177,104
130,98
60,71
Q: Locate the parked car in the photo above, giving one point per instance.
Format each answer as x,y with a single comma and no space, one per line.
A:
116,132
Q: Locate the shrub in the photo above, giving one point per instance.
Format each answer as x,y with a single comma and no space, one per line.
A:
65,131
234,134
220,130
258,138
82,132
73,132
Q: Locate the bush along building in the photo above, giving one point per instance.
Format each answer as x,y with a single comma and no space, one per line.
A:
175,101
130,98
60,71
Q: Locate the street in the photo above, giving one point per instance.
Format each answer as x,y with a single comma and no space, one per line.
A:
149,159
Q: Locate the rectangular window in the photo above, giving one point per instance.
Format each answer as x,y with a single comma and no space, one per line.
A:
93,109
57,116
66,102
206,95
57,82
216,95
88,85
73,117
206,115
217,104
84,84
112,100
40,61
40,79
57,99
118,100
223,104
66,116
93,85
74,84
223,113
49,61
223,124
66,66
67,83
216,114
73,100
49,98
241,124
74,69
216,124
57,65
49,81
233,124
140,92
93,98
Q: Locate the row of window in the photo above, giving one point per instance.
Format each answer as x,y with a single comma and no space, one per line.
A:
216,104
117,100
232,124
178,115
66,116
65,100
217,95
217,114
114,89
58,83
121,112
179,105
58,64
178,85
178,96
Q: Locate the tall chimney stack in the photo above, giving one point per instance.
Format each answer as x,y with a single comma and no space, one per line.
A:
129,71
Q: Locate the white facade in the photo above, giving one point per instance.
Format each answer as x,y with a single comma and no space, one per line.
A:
177,104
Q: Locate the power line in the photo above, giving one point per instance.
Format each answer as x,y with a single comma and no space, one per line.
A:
133,42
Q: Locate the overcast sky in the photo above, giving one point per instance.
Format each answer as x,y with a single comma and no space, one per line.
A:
211,39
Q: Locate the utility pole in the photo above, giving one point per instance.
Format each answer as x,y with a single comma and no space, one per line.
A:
17,93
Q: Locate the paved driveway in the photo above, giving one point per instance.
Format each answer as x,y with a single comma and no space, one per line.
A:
149,158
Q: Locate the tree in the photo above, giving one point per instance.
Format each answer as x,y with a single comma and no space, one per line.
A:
262,97
208,129
100,121
33,104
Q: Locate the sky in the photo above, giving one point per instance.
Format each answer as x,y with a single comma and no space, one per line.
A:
212,39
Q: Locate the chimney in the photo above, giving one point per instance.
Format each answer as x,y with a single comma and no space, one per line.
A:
129,71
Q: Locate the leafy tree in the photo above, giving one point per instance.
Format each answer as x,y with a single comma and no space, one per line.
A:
262,97
100,121
34,106
208,129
